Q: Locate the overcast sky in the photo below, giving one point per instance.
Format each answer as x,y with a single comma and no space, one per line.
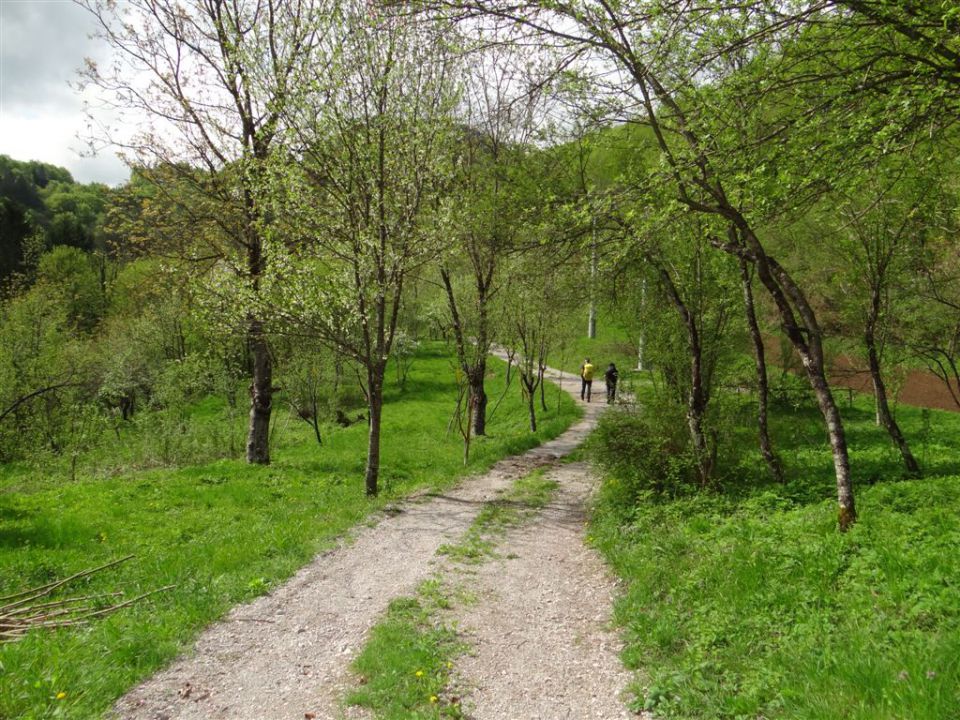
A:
42,45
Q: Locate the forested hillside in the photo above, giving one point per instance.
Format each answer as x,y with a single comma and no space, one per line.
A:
40,207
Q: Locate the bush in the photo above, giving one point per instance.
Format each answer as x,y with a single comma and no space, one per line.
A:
644,450
747,602
791,391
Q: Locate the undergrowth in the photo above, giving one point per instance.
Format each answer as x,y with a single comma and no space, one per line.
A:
404,668
745,602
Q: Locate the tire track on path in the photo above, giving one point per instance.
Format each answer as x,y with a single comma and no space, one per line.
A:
542,648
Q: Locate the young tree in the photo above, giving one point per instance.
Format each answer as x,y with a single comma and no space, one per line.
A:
208,82
928,314
360,208
44,370
501,109
529,317
880,231
760,363
695,291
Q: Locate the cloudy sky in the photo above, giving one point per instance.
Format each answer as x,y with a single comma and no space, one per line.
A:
42,45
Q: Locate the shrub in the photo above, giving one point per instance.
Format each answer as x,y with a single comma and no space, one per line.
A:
644,450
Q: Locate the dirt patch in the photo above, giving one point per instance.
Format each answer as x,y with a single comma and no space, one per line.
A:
918,388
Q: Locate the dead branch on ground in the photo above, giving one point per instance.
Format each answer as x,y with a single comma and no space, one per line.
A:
34,608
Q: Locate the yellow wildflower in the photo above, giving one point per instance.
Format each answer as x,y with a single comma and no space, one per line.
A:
61,695
419,673
434,699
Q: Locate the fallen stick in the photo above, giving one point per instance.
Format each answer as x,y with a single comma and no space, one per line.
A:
25,613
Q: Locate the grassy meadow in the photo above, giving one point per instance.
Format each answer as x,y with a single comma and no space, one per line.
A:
746,602
221,532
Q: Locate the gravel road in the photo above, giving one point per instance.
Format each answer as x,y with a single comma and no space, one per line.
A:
540,645
540,638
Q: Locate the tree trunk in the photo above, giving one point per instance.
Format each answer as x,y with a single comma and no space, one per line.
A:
261,397
787,296
479,399
374,415
697,397
700,447
592,316
880,393
543,388
478,379
471,407
807,341
477,371
532,410
838,444
763,389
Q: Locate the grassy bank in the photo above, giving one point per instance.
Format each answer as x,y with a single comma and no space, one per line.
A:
221,532
747,603
613,343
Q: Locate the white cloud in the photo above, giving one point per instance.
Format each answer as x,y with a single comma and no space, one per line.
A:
42,45
52,138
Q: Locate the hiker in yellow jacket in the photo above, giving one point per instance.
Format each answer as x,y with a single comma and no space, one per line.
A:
586,378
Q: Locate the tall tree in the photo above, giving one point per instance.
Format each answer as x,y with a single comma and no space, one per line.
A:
661,55
207,81
360,209
502,110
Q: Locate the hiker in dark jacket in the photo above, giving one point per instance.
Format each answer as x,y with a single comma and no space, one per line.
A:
611,376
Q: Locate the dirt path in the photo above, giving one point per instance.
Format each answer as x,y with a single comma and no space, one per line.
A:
288,653
541,646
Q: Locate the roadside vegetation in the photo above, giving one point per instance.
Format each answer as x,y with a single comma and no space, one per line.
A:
743,601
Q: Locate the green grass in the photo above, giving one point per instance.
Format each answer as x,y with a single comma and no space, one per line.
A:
404,668
747,603
527,495
222,532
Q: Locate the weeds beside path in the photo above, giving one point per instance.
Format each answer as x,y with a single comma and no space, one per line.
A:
287,654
